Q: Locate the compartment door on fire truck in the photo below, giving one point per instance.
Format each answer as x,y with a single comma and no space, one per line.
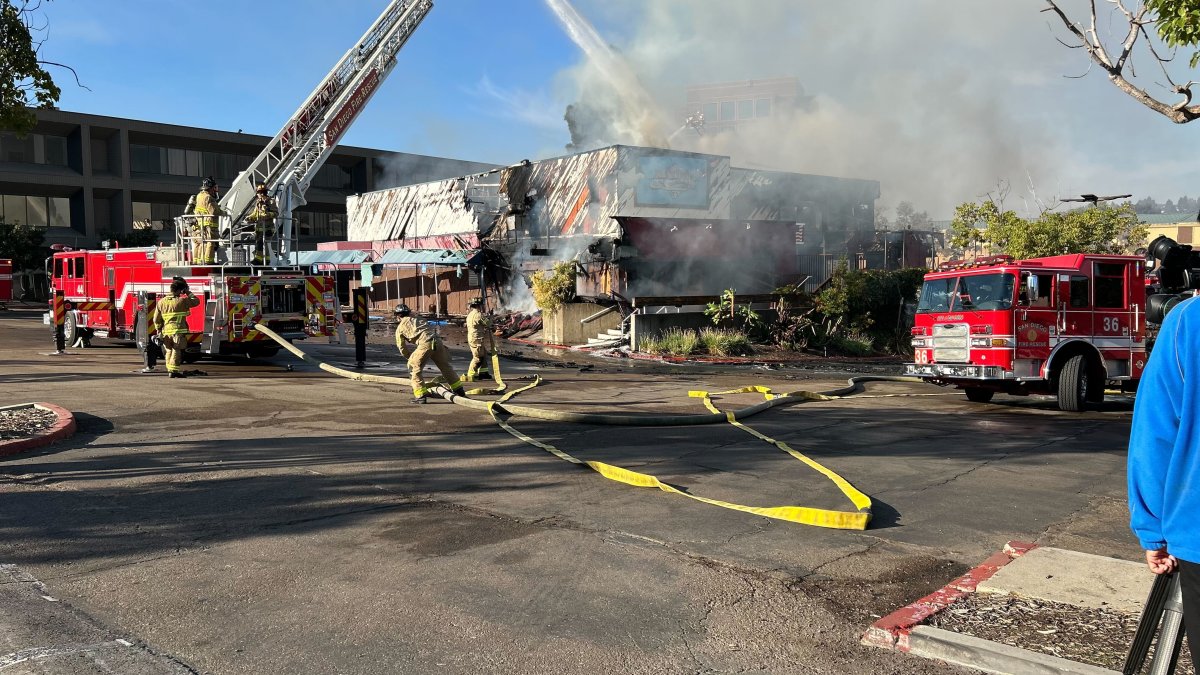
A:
1113,317
1074,305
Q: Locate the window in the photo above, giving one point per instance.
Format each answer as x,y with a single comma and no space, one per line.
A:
1080,297
745,110
1185,234
176,162
762,107
58,268
15,210
148,159
60,212
973,292
710,111
77,267
141,210
56,150
193,162
37,211
1110,285
1044,283
727,110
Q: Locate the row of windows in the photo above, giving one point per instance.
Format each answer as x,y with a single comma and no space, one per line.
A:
221,166
34,149
727,111
35,211
308,223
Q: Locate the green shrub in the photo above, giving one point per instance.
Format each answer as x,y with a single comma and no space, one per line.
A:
854,344
552,288
674,342
720,342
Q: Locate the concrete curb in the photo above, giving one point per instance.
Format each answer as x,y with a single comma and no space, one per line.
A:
63,428
894,630
991,657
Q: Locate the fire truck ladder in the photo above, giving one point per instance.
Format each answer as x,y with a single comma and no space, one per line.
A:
291,160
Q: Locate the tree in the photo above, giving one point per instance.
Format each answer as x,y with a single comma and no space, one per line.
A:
1176,24
908,218
23,80
1096,229
1147,205
24,244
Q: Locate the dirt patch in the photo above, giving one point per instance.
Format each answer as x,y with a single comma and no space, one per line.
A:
862,601
1100,637
25,422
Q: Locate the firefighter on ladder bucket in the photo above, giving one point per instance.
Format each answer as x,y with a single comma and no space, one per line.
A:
480,340
427,347
263,218
204,229
170,320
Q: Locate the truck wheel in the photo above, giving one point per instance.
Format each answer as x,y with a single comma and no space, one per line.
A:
192,357
1073,384
979,394
262,352
70,329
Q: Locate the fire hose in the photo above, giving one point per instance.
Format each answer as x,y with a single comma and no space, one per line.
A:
501,409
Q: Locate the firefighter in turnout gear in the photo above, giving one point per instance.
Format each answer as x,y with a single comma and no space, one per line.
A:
263,218
204,246
170,320
427,347
480,340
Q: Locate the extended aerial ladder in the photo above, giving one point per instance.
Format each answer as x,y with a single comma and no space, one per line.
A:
288,164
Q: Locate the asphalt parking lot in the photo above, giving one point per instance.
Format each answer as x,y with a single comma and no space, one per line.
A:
257,520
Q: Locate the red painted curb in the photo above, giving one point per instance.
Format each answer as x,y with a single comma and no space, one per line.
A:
892,631
63,428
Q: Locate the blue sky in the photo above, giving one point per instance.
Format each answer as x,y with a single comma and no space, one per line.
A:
940,101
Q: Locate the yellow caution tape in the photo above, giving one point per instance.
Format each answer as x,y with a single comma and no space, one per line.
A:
844,520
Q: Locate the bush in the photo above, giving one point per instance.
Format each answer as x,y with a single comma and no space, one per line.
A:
720,342
727,312
552,288
852,345
867,305
674,342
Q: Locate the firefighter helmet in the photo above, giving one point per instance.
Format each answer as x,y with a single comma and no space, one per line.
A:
262,188
178,285
402,310
208,183
475,302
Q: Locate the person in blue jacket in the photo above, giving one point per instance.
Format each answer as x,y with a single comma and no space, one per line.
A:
1164,458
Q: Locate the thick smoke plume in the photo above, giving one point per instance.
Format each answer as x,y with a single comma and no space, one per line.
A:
931,98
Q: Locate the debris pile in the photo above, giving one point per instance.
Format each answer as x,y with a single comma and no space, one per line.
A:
24,422
517,324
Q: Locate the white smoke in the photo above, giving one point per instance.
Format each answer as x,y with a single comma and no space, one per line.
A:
928,97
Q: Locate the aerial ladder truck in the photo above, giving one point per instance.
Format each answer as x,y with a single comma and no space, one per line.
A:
110,293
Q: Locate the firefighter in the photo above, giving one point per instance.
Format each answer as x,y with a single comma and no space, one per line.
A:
480,340
204,250
427,347
263,217
170,320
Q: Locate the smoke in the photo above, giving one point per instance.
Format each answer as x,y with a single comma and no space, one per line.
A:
617,109
930,98
398,169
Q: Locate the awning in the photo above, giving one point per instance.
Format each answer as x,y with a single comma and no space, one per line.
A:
333,258
427,256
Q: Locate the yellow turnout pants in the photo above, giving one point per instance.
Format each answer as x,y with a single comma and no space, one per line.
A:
173,346
431,351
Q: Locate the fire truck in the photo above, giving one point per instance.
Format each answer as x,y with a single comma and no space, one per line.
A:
1064,325
109,293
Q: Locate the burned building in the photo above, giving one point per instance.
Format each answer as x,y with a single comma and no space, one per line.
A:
636,221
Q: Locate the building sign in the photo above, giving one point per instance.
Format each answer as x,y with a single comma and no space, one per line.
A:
672,181
350,109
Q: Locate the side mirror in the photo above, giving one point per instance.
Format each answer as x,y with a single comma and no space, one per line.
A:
1031,287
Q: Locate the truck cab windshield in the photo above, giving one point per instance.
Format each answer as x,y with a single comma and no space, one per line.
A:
969,292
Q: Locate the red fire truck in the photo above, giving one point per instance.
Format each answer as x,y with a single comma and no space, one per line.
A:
6,281
1064,325
110,294
255,279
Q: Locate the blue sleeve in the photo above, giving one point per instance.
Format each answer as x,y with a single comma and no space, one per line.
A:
1155,428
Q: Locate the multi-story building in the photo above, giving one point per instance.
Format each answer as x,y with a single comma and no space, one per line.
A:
87,178
728,105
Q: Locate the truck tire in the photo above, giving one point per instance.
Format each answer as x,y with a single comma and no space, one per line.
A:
1073,384
70,329
979,394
